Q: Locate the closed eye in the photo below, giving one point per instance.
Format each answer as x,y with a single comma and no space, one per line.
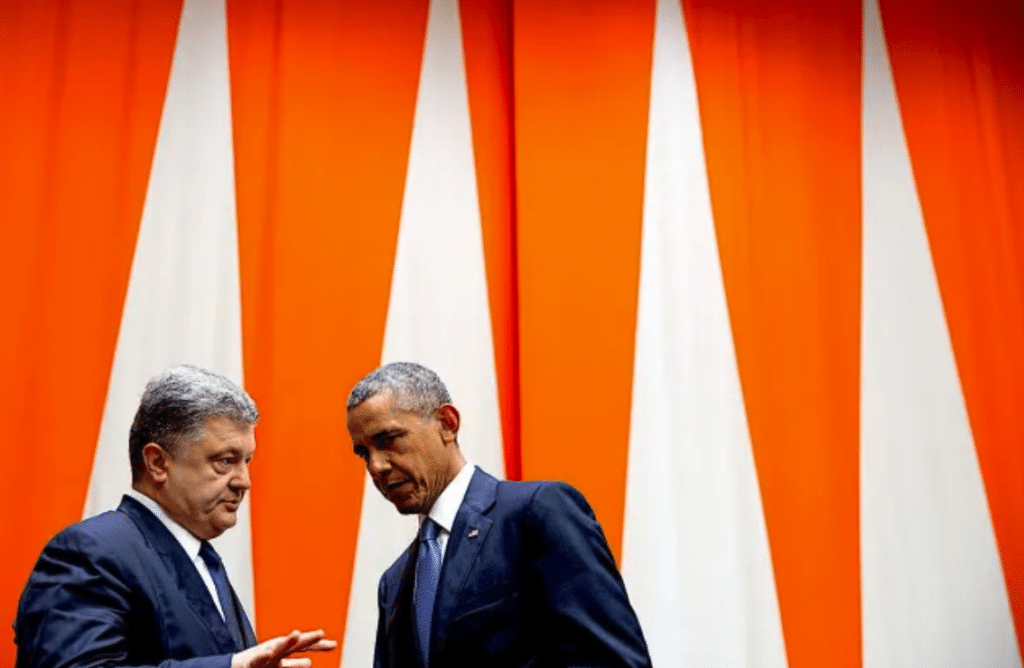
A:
385,439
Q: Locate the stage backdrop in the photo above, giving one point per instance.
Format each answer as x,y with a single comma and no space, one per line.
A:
749,273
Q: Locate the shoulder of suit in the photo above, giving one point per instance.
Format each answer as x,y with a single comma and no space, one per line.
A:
106,525
540,493
106,533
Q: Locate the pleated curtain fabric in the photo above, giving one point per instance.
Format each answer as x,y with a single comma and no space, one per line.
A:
748,274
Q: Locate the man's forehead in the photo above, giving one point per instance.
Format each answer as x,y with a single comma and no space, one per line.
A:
223,433
381,404
377,414
376,409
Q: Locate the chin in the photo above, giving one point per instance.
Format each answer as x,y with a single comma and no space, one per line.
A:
223,525
409,508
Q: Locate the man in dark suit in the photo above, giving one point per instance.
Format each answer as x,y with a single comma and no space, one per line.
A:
502,573
141,585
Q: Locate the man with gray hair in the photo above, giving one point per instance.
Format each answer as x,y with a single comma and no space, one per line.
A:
141,585
502,573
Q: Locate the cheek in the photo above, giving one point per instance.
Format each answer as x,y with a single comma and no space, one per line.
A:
213,491
416,466
187,489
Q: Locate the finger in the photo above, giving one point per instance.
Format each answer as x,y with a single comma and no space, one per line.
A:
284,646
308,639
296,663
264,653
322,646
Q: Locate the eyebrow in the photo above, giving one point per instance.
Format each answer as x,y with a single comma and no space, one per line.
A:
385,433
231,450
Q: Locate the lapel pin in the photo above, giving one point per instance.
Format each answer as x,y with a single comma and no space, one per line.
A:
474,533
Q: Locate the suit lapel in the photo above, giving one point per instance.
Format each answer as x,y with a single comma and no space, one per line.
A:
468,534
400,626
248,634
186,576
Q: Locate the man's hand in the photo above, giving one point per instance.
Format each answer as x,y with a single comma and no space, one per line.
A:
275,653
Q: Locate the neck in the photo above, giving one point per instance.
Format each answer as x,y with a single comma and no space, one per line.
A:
146,488
458,463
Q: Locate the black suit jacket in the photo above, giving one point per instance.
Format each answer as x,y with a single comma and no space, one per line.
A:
118,590
527,580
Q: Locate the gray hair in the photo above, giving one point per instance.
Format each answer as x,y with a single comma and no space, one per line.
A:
415,388
176,405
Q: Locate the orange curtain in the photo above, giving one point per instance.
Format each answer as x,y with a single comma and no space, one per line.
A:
959,75
83,84
323,101
779,87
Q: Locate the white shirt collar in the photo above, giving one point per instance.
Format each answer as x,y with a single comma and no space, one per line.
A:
447,505
190,543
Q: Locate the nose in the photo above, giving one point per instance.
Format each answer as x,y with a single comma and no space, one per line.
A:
241,479
377,464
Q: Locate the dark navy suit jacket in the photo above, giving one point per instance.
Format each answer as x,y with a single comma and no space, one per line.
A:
527,580
119,590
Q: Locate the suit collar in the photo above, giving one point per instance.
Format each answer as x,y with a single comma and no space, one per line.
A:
446,508
460,556
482,491
468,535
187,579
189,543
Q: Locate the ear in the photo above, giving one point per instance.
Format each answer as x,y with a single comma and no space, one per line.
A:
154,458
448,416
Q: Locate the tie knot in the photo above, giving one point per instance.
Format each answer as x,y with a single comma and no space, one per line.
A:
429,529
209,555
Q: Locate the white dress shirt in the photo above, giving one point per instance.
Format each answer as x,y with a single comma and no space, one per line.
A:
190,543
447,505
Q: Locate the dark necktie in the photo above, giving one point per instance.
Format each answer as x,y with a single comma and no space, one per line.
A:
220,581
428,568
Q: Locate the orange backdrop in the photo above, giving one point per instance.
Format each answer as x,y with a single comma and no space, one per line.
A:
323,96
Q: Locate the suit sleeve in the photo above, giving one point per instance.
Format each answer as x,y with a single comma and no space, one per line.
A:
76,608
591,620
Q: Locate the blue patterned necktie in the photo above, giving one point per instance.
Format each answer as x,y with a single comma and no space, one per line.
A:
220,581
428,568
